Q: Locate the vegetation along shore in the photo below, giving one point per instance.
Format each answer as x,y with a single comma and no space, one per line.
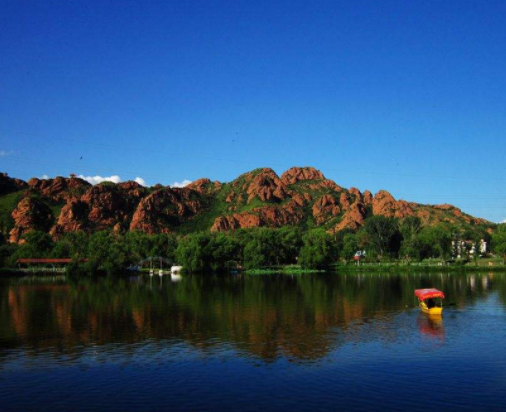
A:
260,222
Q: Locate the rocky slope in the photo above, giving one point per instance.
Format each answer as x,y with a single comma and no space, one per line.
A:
300,196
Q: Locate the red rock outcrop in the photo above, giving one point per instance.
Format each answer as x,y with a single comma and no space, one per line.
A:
384,204
236,221
205,186
30,214
355,192
344,200
325,184
296,174
270,216
353,218
266,186
9,184
325,208
300,200
367,198
112,204
73,217
103,206
162,210
60,188
256,198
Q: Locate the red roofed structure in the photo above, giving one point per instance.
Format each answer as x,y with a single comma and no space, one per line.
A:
423,294
49,261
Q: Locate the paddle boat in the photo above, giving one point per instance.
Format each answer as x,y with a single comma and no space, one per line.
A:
430,301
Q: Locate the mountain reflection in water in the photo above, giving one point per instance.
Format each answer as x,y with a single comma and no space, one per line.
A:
298,317
359,337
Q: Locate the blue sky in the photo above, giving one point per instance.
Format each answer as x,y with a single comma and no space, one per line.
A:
404,96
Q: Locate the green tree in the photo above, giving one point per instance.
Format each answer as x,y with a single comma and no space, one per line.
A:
498,242
256,254
409,228
221,250
108,252
263,247
318,250
383,234
289,240
350,246
435,241
191,252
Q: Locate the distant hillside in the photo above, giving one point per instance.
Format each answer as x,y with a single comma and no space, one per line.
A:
301,196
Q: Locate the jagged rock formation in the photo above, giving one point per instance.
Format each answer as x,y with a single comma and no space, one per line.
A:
301,196
325,208
297,174
9,185
30,214
59,188
205,186
165,209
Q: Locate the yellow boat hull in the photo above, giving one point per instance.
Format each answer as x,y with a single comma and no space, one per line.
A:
431,311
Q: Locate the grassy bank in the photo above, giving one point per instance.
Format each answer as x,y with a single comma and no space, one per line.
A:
287,270
430,266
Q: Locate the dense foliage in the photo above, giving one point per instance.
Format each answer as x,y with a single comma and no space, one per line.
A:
380,238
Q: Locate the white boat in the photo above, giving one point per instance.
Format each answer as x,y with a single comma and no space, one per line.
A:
176,269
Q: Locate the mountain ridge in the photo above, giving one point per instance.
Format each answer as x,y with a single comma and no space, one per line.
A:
301,196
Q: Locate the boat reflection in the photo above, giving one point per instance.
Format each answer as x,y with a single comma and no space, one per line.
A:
431,326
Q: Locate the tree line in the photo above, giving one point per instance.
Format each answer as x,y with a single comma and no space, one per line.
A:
381,238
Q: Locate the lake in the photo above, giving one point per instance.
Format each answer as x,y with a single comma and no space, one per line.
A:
349,342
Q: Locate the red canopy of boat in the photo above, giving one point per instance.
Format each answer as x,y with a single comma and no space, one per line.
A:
423,294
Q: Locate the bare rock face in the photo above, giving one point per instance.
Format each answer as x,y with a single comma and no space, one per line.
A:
165,208
299,199
236,221
111,204
296,174
384,204
30,214
266,186
103,206
403,209
9,185
324,184
353,218
367,198
204,186
60,188
344,200
270,216
325,208
73,218
355,192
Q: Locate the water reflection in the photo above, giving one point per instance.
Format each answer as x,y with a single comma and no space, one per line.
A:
431,326
301,317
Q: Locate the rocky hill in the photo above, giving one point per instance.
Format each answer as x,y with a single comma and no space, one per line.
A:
300,196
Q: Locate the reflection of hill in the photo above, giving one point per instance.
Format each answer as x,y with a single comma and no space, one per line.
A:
295,317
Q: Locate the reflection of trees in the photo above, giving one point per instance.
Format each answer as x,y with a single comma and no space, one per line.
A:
298,317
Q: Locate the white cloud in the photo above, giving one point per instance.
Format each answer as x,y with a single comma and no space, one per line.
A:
44,177
4,153
504,221
140,180
99,179
184,183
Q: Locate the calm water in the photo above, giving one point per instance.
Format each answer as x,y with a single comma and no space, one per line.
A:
321,342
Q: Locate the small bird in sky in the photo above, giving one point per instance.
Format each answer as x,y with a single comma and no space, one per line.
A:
81,158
